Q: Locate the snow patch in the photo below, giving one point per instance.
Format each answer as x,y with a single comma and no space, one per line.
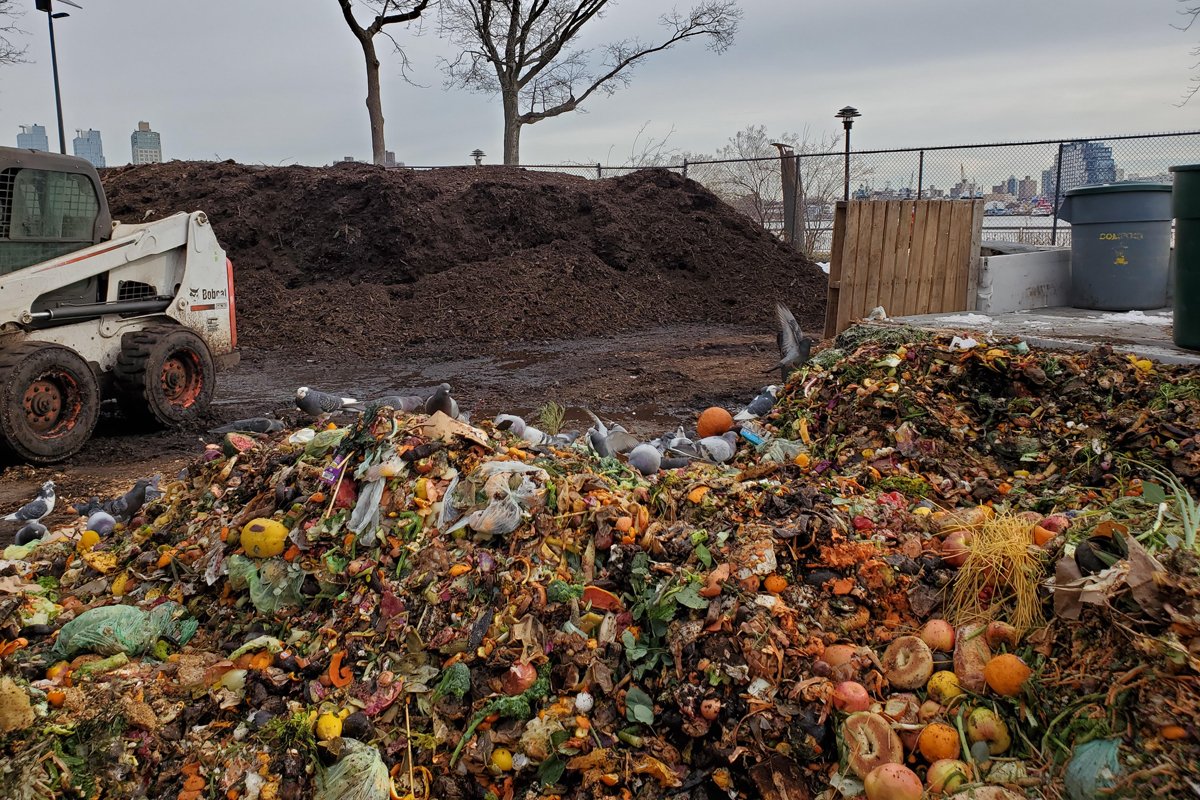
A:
966,319
1137,317
824,265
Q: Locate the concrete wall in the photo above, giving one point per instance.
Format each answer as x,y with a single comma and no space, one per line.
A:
1022,281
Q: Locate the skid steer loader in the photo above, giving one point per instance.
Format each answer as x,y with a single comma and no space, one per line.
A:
92,310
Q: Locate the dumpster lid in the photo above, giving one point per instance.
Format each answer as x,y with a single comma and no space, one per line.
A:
1185,168
1124,186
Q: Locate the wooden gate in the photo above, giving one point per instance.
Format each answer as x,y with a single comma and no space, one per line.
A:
908,256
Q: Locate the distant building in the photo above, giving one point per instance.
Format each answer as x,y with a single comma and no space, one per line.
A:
87,145
33,137
389,158
1011,184
1084,164
146,145
1027,188
1049,183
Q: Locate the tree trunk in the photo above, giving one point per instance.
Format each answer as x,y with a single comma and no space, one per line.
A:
374,102
512,130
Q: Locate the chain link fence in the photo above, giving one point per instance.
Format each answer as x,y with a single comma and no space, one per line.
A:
1021,183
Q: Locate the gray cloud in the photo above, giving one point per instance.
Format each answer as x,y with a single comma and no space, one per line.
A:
242,79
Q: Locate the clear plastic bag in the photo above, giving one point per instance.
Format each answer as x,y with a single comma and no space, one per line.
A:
360,774
273,583
109,630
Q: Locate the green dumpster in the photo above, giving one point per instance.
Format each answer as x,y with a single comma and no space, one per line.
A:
1120,245
1185,204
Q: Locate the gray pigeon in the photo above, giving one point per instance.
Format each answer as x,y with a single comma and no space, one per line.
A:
250,425
37,508
442,401
760,405
645,459
408,403
30,531
316,403
794,346
718,448
511,423
125,507
607,441
102,523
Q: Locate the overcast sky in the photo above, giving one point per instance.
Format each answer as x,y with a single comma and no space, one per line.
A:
283,81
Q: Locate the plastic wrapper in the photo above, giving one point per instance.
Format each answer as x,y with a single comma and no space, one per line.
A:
360,774
273,583
109,630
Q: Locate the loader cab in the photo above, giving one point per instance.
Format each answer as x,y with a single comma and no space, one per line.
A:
50,205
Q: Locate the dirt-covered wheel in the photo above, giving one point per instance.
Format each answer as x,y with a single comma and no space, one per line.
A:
164,374
49,401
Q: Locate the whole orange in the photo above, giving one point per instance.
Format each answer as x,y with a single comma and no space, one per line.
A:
1005,674
937,741
713,422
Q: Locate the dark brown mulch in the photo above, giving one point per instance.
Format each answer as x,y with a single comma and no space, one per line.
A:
375,260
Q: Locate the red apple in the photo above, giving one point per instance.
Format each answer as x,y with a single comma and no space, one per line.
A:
893,782
850,696
954,548
939,635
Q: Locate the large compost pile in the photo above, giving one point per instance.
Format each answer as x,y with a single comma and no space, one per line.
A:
478,255
971,572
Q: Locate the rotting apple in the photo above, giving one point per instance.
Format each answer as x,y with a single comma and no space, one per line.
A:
984,725
947,776
893,782
939,635
850,696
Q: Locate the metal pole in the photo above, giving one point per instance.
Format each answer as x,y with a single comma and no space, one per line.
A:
1057,195
846,183
599,170
62,137
920,173
685,168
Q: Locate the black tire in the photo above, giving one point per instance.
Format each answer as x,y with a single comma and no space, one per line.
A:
49,401
164,374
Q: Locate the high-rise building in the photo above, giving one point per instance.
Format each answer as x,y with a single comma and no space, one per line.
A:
87,145
1027,188
1012,184
33,137
147,147
1083,164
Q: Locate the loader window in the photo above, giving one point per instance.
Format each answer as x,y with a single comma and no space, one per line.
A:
53,205
43,214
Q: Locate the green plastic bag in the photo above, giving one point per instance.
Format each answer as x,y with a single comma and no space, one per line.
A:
359,775
109,630
1095,766
273,583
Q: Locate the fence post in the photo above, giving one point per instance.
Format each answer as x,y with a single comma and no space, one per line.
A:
920,173
685,169
1057,194
599,170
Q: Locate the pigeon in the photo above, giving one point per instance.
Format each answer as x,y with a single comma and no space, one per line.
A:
718,448
38,508
408,403
645,459
250,425
102,523
125,507
441,401
760,405
511,423
794,346
30,532
606,442
316,403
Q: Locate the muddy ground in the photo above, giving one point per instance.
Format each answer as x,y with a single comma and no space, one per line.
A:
649,381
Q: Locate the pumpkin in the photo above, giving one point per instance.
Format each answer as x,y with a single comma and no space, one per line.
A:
263,538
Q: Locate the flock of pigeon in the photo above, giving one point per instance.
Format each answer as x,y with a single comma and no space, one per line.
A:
102,516
669,451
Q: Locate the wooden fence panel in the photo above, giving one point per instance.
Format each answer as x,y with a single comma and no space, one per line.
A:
910,257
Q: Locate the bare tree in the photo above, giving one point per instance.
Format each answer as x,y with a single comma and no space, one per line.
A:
387,12
746,174
10,51
524,51
1190,12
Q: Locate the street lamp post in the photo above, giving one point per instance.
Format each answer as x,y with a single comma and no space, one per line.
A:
847,115
45,5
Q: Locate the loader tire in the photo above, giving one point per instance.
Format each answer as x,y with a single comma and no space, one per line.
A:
49,401
165,374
